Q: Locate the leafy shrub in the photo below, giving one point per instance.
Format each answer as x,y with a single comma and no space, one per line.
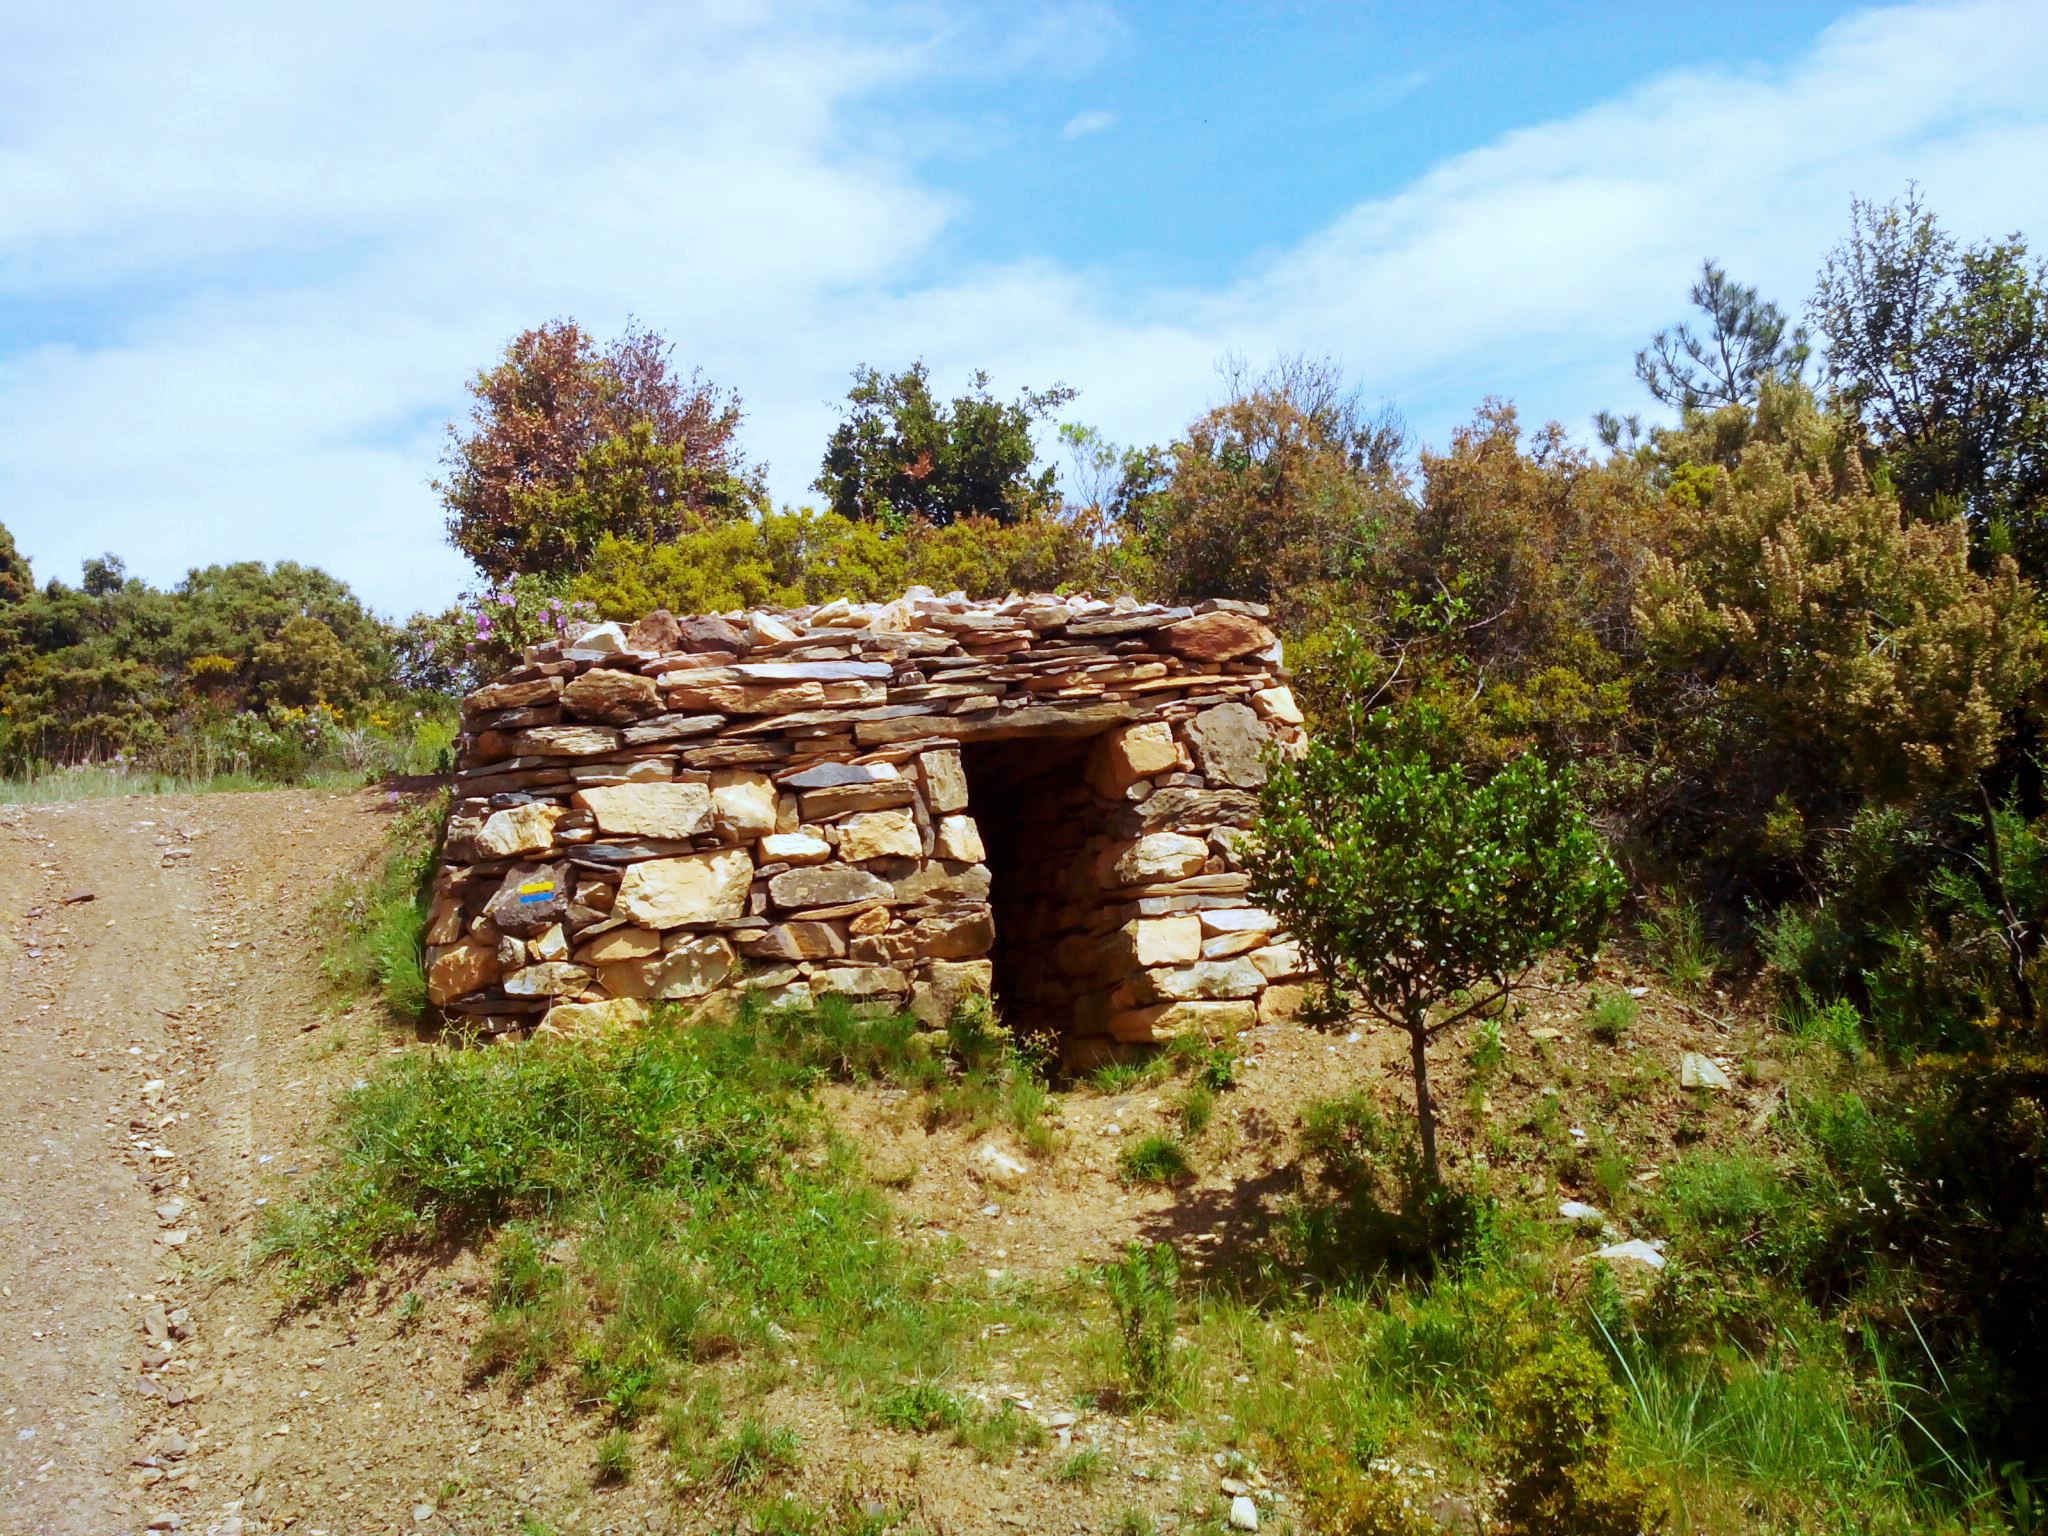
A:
1555,1425
1948,1173
1813,651
920,1407
795,558
1141,1288
1343,1501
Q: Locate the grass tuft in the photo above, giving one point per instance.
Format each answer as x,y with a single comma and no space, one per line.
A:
1155,1158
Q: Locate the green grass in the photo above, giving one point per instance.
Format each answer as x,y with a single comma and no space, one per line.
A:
651,1202
1084,1467
1155,1158
614,1458
102,781
1213,1065
920,1408
1610,1015
377,918
673,1232
998,1436
1677,938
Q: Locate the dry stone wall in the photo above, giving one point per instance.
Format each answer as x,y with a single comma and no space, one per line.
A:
903,802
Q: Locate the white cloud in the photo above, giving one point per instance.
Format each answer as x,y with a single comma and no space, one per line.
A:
1081,124
277,246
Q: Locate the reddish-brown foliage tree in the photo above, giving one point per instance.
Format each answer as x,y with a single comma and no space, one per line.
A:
568,442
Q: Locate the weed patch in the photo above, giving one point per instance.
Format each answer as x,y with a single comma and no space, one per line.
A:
378,918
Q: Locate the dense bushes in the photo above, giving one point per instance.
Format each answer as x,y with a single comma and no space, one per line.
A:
793,558
260,672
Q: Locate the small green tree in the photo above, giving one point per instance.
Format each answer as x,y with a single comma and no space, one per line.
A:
901,456
1746,338
1421,894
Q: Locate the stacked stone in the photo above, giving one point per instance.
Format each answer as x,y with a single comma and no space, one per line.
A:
795,801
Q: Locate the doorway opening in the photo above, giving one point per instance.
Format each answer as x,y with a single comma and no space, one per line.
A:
1043,829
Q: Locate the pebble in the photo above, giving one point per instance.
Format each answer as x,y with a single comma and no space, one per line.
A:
1244,1514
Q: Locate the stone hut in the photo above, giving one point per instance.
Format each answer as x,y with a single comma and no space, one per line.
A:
903,802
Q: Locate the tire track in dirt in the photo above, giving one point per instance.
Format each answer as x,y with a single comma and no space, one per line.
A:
132,1035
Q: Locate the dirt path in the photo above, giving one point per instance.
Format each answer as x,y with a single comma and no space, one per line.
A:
130,1034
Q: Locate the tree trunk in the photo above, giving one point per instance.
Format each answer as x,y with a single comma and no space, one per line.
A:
1425,1111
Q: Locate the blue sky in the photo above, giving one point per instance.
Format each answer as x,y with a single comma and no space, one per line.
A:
249,254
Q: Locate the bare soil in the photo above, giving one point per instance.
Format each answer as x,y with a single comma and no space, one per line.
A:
168,1053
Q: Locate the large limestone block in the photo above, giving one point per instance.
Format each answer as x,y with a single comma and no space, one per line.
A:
1165,1021
640,770
811,671
1280,962
879,835
1218,636
794,848
595,1018
959,839
1122,757
955,935
655,635
1222,945
844,799
596,641
1227,741
835,775
793,941
565,741
1283,1002
460,970
444,921
827,885
691,966
493,697
1278,704
946,984
766,629
620,944
1154,857
1175,940
650,810
1220,920
1204,981
743,698
552,978
742,802
939,881
695,888
859,981
530,899
519,829
613,697
945,781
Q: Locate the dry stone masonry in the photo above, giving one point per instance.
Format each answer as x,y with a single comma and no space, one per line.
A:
904,803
